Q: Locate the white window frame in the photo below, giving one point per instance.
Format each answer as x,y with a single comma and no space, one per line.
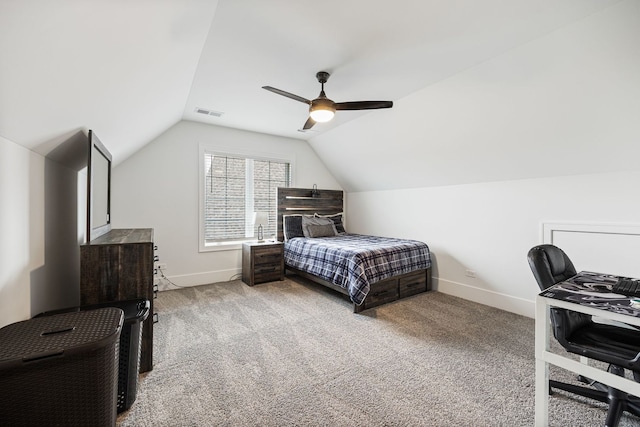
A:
229,152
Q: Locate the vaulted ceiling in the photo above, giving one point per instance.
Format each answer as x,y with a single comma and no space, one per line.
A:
130,70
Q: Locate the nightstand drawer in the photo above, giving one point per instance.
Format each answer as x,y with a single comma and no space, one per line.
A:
267,276
267,256
267,268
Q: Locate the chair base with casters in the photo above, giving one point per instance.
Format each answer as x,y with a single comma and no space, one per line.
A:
618,401
578,334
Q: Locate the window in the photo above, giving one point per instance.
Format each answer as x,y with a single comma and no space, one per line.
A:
236,186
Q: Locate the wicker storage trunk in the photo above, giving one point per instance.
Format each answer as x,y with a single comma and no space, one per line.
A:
135,312
61,370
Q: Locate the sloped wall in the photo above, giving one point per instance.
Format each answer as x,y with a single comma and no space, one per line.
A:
158,188
556,106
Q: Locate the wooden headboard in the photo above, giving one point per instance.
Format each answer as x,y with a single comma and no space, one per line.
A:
301,201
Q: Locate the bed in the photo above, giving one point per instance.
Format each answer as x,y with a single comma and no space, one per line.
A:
370,270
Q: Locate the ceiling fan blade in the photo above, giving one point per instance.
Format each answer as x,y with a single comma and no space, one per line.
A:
363,105
309,124
287,94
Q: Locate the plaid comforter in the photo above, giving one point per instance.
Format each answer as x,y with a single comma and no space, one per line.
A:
354,261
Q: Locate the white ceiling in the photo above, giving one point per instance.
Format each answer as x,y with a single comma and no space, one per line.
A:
374,51
131,69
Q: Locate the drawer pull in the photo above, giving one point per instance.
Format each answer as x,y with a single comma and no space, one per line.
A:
413,285
380,293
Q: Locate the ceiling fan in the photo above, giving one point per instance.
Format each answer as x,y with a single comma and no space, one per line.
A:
322,108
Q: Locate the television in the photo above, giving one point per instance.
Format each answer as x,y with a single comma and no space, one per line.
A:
98,189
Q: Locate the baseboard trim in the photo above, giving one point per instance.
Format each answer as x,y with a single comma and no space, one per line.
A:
197,279
482,296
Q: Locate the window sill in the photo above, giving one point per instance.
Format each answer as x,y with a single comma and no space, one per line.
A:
229,246
226,246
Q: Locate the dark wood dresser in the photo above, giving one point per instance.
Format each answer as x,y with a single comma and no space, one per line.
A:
262,262
118,266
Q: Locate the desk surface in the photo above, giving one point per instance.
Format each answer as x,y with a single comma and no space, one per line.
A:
593,290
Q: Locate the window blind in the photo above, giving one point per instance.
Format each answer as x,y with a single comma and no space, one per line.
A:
235,188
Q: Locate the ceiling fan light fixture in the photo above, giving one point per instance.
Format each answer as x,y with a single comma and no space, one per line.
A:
322,110
322,114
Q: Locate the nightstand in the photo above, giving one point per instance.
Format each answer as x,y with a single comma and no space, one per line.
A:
262,262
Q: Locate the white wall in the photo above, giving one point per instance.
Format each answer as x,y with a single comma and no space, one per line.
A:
157,187
21,228
489,227
39,252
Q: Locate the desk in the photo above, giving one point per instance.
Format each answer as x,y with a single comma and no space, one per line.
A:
589,293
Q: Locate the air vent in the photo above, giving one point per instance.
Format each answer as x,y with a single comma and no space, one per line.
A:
209,112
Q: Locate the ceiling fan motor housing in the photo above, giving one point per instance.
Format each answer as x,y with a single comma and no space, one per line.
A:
322,76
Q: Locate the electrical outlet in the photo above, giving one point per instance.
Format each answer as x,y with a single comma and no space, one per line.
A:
161,266
470,273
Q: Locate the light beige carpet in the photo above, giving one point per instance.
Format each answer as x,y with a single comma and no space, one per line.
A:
293,353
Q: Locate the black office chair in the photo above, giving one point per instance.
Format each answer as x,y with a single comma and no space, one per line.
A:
578,334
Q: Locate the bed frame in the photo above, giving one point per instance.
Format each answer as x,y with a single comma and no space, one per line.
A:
328,202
